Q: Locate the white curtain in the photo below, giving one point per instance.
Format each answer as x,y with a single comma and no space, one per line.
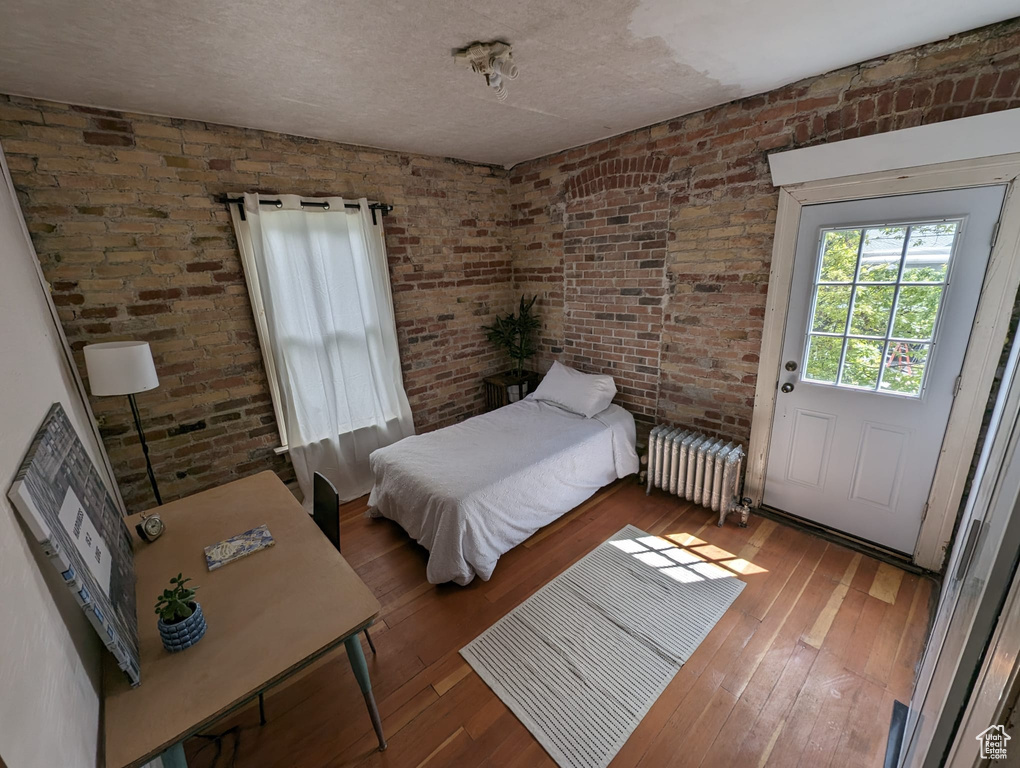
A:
325,288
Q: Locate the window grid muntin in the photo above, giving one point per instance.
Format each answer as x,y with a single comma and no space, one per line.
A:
888,339
850,307
892,313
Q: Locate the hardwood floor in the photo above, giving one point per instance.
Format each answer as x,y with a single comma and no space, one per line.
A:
801,671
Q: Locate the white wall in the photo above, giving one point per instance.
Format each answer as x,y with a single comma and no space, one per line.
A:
49,655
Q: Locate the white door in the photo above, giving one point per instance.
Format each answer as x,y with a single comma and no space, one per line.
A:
882,302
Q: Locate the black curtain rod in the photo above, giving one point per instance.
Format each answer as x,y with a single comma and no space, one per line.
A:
383,208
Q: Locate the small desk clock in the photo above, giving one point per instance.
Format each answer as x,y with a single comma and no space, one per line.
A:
151,527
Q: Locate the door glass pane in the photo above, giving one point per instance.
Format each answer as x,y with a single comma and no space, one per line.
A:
823,358
832,302
863,363
872,307
928,252
872,275
916,310
904,367
839,255
881,254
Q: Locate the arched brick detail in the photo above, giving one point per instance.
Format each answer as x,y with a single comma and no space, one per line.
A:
616,173
615,232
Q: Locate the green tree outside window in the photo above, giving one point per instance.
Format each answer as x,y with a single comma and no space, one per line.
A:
877,297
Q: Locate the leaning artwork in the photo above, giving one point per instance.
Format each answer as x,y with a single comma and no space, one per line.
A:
70,513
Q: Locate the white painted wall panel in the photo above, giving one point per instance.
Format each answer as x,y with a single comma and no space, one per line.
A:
49,655
968,138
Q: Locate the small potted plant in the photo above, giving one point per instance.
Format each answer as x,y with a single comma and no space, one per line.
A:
181,623
515,333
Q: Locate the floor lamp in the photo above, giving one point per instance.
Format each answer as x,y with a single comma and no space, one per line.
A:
124,368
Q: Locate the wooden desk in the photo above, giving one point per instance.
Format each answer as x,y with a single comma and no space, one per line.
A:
269,614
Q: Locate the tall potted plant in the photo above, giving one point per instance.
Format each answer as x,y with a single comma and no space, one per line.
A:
515,333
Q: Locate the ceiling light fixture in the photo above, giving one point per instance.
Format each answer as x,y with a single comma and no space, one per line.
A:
494,60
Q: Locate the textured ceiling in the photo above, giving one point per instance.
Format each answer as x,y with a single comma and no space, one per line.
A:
380,73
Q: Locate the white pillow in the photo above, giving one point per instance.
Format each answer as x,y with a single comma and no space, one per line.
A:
583,393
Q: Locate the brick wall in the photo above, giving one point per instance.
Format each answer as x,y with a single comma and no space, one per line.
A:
614,251
702,182
649,251
123,213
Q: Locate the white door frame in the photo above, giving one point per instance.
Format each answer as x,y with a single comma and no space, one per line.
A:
997,677
991,324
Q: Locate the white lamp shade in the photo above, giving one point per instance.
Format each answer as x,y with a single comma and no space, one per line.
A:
120,367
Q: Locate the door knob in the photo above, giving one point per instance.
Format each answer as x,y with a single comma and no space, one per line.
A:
787,388
790,365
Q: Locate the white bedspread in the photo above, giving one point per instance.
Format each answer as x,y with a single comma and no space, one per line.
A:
472,491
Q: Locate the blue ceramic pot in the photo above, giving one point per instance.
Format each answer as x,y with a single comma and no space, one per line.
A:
183,634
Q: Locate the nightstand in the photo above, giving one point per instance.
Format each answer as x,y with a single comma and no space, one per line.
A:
498,388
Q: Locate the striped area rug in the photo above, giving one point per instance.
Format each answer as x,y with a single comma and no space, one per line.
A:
582,660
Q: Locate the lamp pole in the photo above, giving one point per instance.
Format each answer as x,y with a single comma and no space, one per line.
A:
145,449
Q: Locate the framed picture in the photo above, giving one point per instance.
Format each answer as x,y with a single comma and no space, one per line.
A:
69,511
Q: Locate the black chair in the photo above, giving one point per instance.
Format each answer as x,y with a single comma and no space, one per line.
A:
326,514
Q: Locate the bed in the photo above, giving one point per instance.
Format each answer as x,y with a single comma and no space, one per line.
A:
472,491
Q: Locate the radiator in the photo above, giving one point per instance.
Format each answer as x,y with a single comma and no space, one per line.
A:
698,468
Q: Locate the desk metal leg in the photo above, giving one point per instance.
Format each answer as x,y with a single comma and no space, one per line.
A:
357,658
174,757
